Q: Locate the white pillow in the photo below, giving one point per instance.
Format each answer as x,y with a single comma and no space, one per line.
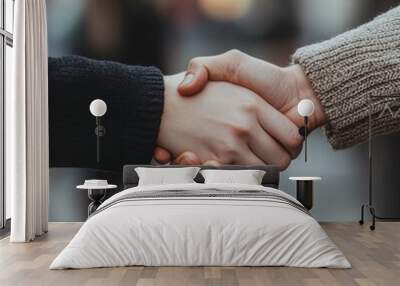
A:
248,177
163,176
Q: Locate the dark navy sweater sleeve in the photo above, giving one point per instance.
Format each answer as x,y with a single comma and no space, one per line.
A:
134,96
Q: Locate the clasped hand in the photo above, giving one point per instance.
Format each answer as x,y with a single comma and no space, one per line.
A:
234,109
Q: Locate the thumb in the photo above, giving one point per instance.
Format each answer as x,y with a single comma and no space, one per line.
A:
195,79
202,69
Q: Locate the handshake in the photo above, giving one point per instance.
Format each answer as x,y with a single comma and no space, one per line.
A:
234,109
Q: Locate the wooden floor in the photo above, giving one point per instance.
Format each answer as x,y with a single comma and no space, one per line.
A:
375,257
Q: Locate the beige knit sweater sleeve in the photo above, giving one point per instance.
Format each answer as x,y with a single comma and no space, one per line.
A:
348,70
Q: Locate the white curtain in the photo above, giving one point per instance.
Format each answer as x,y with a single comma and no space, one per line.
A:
27,124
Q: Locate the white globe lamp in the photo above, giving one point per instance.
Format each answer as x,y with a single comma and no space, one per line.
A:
305,108
98,108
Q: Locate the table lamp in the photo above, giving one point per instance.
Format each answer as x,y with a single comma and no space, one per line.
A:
98,108
305,108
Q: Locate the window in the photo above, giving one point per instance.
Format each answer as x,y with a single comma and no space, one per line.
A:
6,44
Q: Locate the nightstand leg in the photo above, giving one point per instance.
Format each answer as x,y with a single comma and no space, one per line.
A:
96,197
92,207
305,193
361,221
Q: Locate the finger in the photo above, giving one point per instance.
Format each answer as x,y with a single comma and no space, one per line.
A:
194,81
187,158
212,163
269,150
202,69
281,128
247,157
162,155
239,68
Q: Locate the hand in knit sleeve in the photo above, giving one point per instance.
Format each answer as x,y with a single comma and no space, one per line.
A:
134,96
348,70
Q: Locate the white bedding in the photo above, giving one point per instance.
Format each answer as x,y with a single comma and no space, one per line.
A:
200,231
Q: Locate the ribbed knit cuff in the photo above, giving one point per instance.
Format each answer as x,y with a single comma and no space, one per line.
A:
141,133
349,70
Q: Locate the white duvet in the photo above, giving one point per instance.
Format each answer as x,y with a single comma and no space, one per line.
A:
200,231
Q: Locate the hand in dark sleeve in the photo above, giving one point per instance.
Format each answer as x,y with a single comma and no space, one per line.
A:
134,98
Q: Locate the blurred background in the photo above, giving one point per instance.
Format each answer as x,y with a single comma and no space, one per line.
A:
168,33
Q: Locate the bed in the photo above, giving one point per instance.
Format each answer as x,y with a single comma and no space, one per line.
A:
198,224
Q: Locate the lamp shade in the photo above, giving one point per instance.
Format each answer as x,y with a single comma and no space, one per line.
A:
305,107
98,107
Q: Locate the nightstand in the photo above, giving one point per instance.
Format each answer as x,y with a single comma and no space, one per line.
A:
304,190
96,195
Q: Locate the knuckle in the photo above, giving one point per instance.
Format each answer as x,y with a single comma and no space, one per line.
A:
250,106
229,153
242,129
232,67
194,62
231,71
234,53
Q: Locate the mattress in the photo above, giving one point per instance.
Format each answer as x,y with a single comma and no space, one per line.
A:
201,225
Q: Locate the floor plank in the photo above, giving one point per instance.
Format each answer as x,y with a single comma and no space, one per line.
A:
375,257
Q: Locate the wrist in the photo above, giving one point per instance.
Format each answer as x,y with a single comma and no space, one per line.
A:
304,90
168,87
171,83
170,97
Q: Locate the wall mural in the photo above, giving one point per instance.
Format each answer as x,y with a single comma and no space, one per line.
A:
191,82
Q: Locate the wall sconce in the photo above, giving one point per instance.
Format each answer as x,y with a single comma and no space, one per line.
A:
305,108
98,108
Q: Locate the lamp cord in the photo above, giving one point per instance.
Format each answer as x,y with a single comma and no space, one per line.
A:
305,135
98,138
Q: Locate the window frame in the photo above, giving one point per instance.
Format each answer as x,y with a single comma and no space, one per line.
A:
6,39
